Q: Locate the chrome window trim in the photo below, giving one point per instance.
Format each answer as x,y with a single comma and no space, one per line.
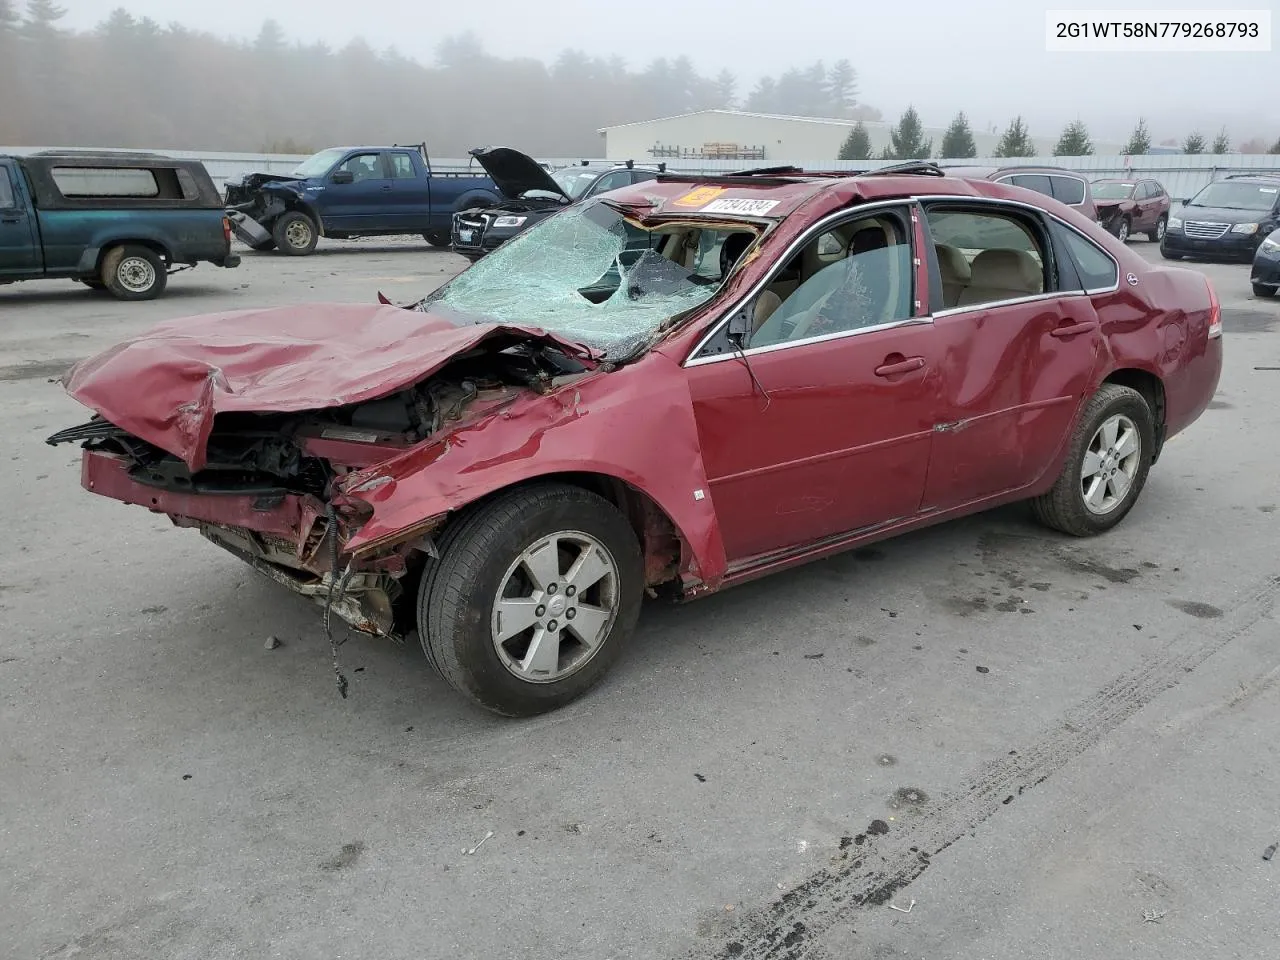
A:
692,359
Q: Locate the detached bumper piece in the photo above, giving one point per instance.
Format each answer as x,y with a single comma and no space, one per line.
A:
247,229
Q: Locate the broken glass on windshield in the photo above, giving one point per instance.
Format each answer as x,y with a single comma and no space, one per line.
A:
591,276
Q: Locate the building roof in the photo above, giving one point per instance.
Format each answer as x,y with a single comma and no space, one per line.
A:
745,113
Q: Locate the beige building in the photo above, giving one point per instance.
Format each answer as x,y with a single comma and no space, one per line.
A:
771,139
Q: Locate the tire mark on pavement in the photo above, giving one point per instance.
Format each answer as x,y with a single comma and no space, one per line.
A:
791,927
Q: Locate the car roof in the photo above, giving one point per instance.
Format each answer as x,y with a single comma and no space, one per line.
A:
779,194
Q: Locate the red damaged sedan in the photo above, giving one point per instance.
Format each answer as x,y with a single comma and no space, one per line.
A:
674,388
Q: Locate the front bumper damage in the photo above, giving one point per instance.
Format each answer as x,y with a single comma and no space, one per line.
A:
247,229
288,538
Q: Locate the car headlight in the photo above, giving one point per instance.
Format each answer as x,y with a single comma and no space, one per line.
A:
1175,223
1245,228
516,221
1271,245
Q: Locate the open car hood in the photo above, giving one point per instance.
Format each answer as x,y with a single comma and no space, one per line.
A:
514,173
165,386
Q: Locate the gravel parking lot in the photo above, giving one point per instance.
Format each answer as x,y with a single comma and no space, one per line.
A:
978,741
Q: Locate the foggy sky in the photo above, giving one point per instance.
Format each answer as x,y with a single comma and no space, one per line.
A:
986,57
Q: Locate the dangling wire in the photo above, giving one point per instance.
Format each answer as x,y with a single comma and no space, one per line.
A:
328,603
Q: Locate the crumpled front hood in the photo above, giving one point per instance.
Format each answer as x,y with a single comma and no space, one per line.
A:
166,385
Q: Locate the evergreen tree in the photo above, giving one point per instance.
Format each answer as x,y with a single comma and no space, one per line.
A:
842,88
1074,141
1275,147
957,142
1195,143
1221,143
1139,141
726,85
764,98
857,146
906,138
1015,142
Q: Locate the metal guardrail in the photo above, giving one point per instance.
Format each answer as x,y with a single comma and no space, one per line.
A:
1182,175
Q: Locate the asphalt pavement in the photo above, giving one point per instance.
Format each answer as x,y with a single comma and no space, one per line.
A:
983,740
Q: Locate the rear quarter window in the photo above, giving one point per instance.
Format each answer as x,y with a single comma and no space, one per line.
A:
1031,181
1068,190
1096,268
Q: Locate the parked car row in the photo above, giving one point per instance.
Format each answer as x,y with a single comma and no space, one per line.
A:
674,387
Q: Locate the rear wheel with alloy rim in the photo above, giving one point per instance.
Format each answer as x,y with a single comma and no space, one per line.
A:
1106,466
533,597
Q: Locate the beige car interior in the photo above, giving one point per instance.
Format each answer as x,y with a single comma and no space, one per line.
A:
815,274
988,274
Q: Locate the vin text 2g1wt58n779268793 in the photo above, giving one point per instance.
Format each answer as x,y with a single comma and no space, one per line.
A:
675,387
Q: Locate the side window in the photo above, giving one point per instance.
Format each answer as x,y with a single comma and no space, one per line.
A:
640,176
187,185
1032,181
855,276
611,181
986,256
110,182
1068,190
1097,270
363,166
402,166
6,190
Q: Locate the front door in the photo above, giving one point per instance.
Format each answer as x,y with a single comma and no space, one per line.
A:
1018,344
823,425
361,204
19,244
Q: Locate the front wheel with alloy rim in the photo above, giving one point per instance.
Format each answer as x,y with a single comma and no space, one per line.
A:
532,599
1122,229
1156,235
133,273
295,234
1106,466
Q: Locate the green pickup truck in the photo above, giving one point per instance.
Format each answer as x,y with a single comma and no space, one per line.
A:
120,222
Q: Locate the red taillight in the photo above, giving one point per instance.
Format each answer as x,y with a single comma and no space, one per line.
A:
1215,313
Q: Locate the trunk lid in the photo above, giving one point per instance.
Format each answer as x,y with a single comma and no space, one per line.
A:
166,385
515,173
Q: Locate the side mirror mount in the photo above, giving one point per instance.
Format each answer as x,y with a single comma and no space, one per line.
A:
740,326
342,176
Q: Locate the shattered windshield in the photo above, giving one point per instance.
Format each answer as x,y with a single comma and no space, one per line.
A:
318,164
590,276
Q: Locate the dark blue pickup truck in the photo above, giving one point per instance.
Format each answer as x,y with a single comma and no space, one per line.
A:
346,192
120,222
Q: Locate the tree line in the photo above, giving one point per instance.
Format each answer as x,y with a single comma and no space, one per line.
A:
907,141
131,81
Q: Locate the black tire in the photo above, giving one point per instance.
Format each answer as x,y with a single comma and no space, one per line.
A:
1063,508
436,239
1260,291
1169,256
1157,235
295,234
457,593
131,272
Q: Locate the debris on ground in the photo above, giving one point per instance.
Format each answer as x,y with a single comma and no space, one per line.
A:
906,909
470,852
272,643
1270,852
1153,916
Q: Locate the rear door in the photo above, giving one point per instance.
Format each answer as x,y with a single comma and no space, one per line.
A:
408,193
1020,342
362,204
19,237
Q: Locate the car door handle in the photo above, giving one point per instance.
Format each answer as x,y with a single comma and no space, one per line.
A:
896,367
1073,329
14,218
386,186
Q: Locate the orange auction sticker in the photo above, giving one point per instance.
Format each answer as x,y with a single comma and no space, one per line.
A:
697,197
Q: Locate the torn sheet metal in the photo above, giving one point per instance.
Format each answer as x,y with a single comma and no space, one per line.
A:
165,386
635,424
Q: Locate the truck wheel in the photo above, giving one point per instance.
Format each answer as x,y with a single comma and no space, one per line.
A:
295,234
134,273
533,598
436,239
1106,465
